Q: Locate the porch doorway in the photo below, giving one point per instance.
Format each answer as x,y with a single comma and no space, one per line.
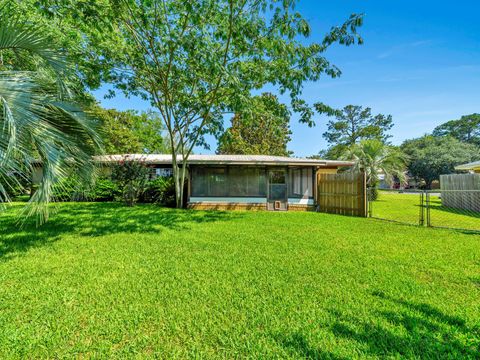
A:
277,190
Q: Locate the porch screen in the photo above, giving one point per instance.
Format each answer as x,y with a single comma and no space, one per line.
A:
301,182
229,182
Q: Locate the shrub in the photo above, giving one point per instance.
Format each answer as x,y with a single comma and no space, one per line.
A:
104,190
67,190
160,191
131,177
71,189
372,193
14,185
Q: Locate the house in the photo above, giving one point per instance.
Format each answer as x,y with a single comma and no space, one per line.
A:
243,181
473,167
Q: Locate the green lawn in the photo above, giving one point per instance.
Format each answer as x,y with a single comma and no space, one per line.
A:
103,281
405,207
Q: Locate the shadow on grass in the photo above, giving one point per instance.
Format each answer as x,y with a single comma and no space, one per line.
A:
470,213
297,344
409,329
97,219
422,331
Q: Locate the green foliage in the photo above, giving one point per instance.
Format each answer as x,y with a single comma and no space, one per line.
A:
432,156
353,124
196,60
72,189
375,157
127,132
104,190
262,129
466,129
131,177
108,281
38,117
335,152
160,191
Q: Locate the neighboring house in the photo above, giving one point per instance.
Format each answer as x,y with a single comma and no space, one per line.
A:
243,181
473,167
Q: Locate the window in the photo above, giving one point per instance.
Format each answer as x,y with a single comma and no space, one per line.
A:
164,172
301,182
232,181
297,183
217,182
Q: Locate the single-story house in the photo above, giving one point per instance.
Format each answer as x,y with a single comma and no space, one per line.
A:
473,167
243,181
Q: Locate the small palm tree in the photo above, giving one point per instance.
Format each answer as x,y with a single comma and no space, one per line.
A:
38,120
375,157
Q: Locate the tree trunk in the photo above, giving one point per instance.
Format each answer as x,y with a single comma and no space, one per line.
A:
428,184
182,182
179,173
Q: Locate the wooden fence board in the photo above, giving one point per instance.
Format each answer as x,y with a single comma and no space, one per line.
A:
343,193
461,191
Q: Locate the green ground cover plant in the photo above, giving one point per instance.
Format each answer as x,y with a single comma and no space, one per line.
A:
107,281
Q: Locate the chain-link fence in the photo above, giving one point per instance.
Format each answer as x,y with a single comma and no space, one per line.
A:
454,209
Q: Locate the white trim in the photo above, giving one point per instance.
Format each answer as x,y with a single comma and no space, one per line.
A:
301,201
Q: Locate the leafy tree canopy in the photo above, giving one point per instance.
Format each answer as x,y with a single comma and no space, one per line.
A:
430,156
466,129
128,132
262,129
351,125
355,123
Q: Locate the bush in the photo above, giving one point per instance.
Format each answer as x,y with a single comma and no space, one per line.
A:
104,190
71,189
372,193
67,190
131,177
160,191
13,186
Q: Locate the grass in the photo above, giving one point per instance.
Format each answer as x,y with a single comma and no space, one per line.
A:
405,207
105,281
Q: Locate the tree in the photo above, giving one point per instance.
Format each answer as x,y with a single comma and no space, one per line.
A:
127,132
37,117
466,129
197,60
374,157
334,152
263,129
432,156
353,124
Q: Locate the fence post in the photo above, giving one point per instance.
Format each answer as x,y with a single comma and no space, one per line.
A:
422,209
427,197
369,202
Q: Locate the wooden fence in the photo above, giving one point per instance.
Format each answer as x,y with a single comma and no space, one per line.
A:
344,193
461,191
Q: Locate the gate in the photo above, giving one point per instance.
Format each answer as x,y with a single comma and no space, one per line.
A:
344,193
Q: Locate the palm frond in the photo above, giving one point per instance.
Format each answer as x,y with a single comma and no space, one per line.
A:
37,124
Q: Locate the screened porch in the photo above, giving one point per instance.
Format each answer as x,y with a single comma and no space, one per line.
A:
252,184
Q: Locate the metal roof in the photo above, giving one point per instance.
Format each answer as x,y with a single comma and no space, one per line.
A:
223,160
470,166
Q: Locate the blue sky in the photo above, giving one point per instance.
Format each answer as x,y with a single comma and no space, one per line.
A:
420,63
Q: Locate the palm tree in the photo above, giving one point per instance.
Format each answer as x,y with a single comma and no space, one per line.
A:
38,120
375,157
